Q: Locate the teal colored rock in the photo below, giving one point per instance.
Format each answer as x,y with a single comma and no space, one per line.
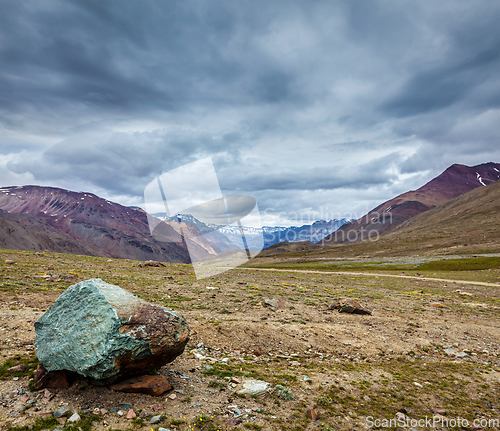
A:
101,331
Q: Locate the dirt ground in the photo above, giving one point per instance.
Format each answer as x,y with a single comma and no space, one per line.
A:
428,345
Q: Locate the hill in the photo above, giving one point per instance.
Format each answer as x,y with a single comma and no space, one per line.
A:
453,182
53,219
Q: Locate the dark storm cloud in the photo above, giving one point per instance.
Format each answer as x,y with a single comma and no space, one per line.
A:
288,97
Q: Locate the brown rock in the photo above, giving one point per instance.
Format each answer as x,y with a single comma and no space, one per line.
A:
312,414
276,303
20,367
351,306
151,385
130,414
153,263
158,408
26,342
50,379
235,380
439,411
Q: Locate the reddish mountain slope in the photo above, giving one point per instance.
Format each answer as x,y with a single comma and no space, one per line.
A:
87,224
453,182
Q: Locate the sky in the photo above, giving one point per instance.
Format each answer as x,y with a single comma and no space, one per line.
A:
316,109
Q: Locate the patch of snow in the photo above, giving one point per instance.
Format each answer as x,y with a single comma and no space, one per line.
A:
480,179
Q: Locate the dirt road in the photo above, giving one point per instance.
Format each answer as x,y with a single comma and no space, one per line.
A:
375,274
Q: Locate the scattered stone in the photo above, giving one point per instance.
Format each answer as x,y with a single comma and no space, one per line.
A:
418,385
75,417
235,380
151,385
253,388
312,414
351,306
172,397
50,379
158,408
438,411
128,335
490,406
60,412
234,422
153,263
27,342
276,303
208,367
119,413
114,410
130,414
20,367
125,406
9,261
155,419
163,429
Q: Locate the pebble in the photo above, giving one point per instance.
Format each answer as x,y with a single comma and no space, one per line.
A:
60,412
75,417
125,406
130,414
171,397
156,419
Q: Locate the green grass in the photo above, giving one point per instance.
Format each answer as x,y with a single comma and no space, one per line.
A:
31,363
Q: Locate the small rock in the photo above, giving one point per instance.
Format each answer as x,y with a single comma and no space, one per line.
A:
144,414
163,429
151,385
208,367
20,367
418,385
48,395
351,306
60,412
234,422
9,261
235,380
172,397
119,413
158,408
253,388
75,417
438,411
156,419
50,379
312,414
276,303
153,263
130,414
490,406
125,406
113,410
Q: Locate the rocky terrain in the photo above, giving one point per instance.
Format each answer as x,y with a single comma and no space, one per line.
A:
430,349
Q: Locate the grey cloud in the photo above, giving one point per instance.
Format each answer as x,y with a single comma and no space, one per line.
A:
290,98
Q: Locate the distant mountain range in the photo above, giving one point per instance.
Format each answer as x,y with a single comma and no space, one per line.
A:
53,219
229,237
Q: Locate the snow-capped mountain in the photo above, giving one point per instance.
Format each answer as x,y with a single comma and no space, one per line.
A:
232,234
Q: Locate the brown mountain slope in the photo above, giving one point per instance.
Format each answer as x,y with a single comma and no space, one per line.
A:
454,181
467,224
87,224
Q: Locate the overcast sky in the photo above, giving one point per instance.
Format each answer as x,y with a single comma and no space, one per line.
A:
316,109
